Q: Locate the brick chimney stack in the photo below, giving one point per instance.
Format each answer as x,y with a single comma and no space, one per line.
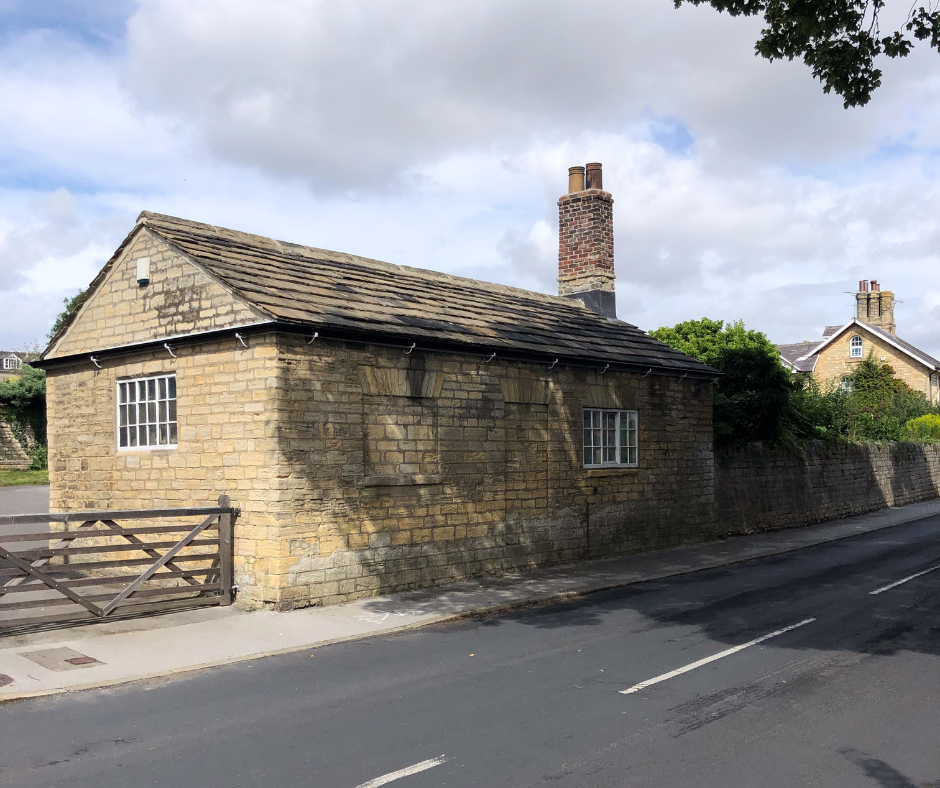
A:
586,241
875,306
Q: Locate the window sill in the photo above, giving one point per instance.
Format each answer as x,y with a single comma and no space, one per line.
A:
409,480
147,449
613,470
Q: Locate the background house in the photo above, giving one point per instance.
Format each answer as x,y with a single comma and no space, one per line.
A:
872,331
12,360
380,427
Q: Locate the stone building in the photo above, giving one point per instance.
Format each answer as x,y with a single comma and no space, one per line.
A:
871,332
380,427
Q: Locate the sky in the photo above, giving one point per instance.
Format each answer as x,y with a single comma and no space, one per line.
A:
438,135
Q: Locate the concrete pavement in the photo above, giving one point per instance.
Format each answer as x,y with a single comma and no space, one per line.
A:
121,651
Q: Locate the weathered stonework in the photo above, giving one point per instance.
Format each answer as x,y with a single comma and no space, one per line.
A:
819,482
346,493
13,456
585,242
179,299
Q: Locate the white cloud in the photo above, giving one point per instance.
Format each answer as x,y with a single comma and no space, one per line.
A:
438,135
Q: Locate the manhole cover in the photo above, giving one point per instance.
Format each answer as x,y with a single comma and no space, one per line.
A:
82,661
4,680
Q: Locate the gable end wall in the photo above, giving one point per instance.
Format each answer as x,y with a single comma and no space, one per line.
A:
180,299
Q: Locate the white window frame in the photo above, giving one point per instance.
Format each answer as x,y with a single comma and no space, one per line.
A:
12,362
162,416
856,347
606,425
846,386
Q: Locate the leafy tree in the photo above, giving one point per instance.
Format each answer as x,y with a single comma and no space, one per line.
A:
880,405
752,395
69,305
838,39
816,411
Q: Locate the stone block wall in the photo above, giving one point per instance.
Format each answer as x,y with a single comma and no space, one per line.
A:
360,470
409,471
13,456
759,488
227,443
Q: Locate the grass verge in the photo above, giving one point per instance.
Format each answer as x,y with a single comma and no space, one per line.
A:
19,478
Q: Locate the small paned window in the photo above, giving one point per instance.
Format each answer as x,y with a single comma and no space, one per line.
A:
146,417
856,347
610,438
846,385
12,362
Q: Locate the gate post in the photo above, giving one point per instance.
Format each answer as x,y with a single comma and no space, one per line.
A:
226,552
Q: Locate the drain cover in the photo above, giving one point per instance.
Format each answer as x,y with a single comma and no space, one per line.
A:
4,680
82,661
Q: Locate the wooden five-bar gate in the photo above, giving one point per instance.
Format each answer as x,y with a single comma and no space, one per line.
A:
76,566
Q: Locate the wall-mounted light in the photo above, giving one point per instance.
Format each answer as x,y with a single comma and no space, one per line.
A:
143,271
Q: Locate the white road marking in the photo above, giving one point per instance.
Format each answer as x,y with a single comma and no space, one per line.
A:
721,655
418,767
900,582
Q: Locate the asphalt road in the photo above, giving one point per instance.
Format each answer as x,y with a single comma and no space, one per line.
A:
849,698
30,499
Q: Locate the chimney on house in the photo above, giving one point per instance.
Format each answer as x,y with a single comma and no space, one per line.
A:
586,241
875,306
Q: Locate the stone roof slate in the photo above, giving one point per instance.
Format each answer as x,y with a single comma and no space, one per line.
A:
793,355
332,291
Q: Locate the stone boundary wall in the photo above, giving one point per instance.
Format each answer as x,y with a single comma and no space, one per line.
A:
760,489
13,456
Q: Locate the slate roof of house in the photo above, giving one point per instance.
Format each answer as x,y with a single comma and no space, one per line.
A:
332,291
793,355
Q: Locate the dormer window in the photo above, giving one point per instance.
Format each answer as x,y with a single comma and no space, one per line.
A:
12,362
855,347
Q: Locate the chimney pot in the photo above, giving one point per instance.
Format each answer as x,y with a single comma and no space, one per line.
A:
877,307
575,179
863,286
595,178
